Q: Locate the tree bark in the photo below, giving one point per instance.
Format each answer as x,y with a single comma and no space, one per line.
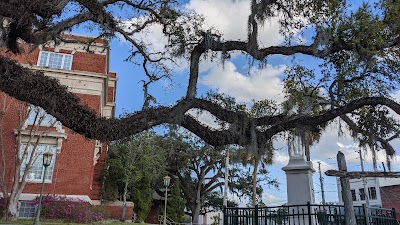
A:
254,192
21,82
196,214
123,214
199,199
12,209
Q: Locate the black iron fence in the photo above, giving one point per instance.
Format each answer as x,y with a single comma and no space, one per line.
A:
306,215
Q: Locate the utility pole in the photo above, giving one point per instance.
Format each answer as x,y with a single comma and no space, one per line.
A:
350,218
321,181
225,204
364,180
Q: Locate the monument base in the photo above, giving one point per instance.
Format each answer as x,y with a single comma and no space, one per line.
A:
300,186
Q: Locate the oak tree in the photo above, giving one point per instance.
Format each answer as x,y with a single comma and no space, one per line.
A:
357,48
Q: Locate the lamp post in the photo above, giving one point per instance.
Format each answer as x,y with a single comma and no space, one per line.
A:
46,163
167,179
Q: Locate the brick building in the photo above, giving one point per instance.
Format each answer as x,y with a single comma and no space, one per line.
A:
381,192
78,162
390,194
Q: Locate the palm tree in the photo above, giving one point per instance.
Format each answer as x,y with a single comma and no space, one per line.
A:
255,155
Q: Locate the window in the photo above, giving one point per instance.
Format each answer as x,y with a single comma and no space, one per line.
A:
372,192
26,209
55,60
353,195
362,193
35,174
42,118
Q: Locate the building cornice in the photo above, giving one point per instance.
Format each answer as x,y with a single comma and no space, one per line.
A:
69,72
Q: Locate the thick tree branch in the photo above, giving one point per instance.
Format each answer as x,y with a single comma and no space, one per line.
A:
36,88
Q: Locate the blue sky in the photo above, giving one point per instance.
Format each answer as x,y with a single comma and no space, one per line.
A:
233,78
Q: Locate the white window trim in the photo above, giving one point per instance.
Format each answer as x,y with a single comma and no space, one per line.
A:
51,120
19,209
370,193
48,59
39,159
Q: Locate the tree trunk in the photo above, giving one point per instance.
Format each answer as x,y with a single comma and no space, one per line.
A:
199,202
12,209
12,193
124,202
196,213
254,194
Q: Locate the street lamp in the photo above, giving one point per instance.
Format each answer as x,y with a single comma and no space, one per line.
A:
167,179
46,163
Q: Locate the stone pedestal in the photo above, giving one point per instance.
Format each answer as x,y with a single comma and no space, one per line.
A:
300,188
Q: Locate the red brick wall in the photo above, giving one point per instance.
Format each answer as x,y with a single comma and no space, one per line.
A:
81,61
74,172
84,61
390,196
115,210
152,217
26,56
112,74
110,94
10,122
98,174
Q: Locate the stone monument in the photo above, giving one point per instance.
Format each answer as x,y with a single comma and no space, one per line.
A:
300,188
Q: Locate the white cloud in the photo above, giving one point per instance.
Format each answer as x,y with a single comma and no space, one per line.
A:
206,118
324,165
227,16
281,158
396,95
272,200
230,18
258,85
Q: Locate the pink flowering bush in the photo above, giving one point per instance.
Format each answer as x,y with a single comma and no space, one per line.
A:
69,210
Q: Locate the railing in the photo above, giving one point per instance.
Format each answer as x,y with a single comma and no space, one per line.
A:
306,215
168,220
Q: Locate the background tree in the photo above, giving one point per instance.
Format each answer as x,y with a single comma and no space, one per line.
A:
214,201
357,48
134,163
198,166
241,182
176,204
200,169
256,155
142,196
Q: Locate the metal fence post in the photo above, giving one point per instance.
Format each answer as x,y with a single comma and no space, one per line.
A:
309,213
224,216
256,215
365,212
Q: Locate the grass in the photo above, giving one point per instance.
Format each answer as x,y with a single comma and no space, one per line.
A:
59,222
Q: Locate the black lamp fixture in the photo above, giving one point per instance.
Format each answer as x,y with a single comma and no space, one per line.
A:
47,158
